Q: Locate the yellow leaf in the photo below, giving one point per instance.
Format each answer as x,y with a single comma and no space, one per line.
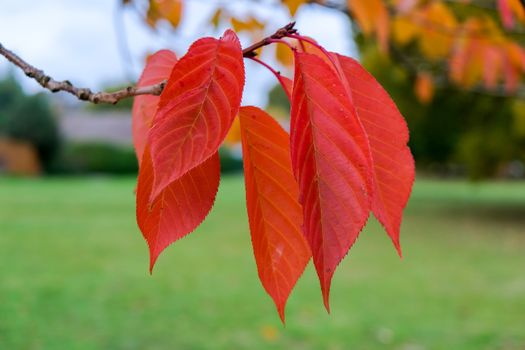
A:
424,87
438,30
216,18
152,16
234,134
404,30
251,24
170,10
284,55
473,71
254,24
293,5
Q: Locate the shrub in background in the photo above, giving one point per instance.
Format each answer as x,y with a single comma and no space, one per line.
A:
95,158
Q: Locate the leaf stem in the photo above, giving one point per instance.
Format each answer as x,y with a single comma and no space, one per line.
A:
277,74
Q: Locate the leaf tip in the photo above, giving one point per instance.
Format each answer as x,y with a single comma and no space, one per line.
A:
398,248
325,289
326,301
152,260
397,244
230,35
280,311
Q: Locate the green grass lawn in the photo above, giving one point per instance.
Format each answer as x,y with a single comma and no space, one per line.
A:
74,275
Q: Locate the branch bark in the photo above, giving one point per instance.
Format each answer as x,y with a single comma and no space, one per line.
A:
85,94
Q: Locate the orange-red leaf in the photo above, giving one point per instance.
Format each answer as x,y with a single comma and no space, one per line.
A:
158,68
196,108
331,162
393,165
275,215
179,208
287,85
372,16
424,87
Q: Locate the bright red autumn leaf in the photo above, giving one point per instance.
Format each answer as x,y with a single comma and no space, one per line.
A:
158,68
196,108
387,133
287,85
331,162
393,165
179,208
275,215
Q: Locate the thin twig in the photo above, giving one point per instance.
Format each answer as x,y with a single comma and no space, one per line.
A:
86,94
83,94
279,34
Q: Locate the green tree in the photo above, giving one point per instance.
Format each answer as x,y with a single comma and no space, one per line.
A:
29,118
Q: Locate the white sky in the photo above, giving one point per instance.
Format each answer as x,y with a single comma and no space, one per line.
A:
76,39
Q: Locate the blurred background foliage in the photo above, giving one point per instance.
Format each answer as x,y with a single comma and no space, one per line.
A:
457,132
455,69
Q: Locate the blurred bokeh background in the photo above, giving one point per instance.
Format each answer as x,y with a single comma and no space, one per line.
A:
74,267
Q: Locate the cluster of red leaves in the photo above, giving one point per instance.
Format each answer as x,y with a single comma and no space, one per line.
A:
308,193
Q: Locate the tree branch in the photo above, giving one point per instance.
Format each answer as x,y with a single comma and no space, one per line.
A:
86,94
83,94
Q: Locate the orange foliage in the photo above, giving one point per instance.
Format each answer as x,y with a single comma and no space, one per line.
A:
372,17
476,47
483,53
170,10
424,87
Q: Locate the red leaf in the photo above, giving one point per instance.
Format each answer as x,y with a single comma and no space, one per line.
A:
196,108
179,208
158,68
287,85
506,14
331,162
275,215
393,165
